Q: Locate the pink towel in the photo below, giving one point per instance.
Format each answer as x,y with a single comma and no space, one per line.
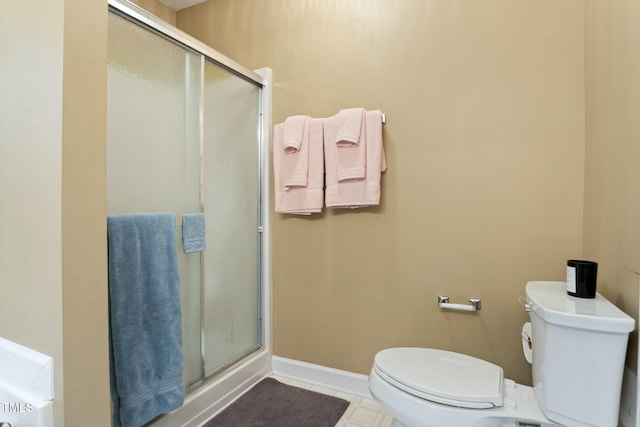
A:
300,200
295,163
293,133
357,192
350,143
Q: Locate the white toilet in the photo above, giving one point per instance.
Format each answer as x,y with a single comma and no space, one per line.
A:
579,348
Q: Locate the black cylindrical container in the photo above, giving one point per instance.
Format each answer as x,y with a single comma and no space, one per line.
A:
581,278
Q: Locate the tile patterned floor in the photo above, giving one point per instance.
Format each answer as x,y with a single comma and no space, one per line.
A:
362,412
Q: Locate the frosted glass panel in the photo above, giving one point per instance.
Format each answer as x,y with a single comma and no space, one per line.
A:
231,207
182,137
153,147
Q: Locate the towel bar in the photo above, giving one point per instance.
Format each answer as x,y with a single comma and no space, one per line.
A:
474,304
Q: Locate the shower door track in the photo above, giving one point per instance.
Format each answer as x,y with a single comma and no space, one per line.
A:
141,16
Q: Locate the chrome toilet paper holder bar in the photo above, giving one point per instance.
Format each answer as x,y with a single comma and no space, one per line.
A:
474,304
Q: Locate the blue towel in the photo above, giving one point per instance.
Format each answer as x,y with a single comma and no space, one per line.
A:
193,233
145,317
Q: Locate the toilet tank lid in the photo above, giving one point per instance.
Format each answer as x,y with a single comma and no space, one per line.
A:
551,302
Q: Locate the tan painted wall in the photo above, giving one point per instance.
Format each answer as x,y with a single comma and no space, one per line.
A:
612,181
160,10
485,147
84,234
53,278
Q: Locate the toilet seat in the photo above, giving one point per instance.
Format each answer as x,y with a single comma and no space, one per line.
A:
442,376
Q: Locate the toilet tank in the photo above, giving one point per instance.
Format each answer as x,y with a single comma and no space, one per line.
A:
579,348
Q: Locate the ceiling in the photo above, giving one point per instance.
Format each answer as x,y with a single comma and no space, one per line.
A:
180,4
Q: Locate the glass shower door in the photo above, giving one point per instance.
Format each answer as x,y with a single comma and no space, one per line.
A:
231,309
182,137
153,153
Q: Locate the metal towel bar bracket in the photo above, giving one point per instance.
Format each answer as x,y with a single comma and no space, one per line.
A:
474,304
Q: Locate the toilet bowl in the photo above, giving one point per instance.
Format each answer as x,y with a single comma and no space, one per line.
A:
423,387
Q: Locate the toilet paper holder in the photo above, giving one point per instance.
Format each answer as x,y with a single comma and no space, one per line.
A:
474,304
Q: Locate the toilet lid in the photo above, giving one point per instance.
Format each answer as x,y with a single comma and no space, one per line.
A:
442,376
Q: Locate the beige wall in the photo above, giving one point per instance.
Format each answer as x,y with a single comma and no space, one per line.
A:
160,10
485,147
612,181
84,249
30,179
52,245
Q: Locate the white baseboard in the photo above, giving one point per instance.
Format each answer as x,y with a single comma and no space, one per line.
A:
337,379
628,399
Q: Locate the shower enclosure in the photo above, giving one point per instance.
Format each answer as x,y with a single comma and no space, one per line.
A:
187,132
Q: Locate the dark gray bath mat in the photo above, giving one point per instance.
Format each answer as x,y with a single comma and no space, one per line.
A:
273,404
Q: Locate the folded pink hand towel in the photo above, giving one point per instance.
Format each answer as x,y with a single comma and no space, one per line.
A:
357,192
293,133
300,200
349,126
295,163
350,141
